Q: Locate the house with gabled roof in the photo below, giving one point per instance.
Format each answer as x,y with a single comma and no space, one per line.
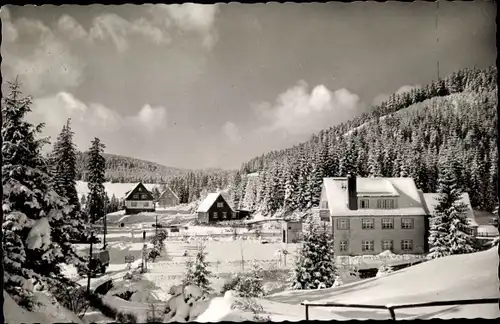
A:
138,199
372,215
214,208
168,198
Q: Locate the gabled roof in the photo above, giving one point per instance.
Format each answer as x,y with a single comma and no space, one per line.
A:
129,193
409,199
209,201
168,189
431,201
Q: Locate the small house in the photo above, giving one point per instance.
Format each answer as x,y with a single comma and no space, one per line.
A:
291,231
139,199
168,198
243,214
214,208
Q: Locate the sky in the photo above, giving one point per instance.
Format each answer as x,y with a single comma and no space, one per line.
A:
197,86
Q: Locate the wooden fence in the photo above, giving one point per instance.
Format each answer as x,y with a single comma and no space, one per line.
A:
391,308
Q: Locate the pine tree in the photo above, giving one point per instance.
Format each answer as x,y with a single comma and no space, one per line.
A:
35,226
96,169
197,272
156,194
449,228
64,167
316,262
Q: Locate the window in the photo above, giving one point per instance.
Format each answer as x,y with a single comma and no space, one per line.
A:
387,223
343,223
224,215
387,245
220,205
233,215
324,205
215,215
364,203
133,204
385,204
407,245
367,223
135,196
367,246
144,196
140,189
407,223
343,246
146,204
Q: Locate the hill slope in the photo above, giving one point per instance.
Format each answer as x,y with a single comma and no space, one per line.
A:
467,276
127,169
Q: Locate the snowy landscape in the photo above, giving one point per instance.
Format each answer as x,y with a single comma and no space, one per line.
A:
214,201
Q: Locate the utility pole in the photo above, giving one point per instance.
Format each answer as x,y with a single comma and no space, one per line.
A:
90,258
105,226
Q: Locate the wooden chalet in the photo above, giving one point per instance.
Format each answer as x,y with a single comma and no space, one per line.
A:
168,198
139,199
214,208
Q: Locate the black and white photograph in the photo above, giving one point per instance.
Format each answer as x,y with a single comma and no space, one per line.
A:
260,162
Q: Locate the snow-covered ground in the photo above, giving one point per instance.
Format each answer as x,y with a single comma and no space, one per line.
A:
466,276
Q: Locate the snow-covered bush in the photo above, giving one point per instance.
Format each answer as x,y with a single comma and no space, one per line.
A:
383,270
251,305
122,317
197,271
338,281
316,261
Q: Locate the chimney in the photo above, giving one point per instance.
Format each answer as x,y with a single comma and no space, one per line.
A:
352,194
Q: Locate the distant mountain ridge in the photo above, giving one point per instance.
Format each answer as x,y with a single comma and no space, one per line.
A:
125,169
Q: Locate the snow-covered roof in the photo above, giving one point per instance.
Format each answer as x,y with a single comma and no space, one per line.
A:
168,189
127,195
409,200
431,200
208,202
120,190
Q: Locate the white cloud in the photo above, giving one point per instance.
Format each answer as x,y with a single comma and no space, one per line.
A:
384,97
101,120
298,111
34,53
118,30
71,28
232,132
152,118
190,17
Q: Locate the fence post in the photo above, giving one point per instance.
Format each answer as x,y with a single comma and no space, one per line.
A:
307,312
391,311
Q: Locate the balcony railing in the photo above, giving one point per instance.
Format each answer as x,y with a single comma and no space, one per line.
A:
391,308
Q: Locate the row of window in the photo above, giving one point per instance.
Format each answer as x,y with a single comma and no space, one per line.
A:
381,203
365,204
139,204
369,223
143,196
215,215
369,246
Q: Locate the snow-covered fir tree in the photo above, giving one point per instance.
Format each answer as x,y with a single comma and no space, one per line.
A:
450,232
36,226
316,261
64,173
96,169
197,272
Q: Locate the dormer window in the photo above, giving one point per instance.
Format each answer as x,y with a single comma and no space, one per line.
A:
385,204
364,203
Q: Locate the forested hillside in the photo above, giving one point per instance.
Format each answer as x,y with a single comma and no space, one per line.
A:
126,169
404,136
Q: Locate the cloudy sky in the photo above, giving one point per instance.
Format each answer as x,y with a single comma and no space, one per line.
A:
197,86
